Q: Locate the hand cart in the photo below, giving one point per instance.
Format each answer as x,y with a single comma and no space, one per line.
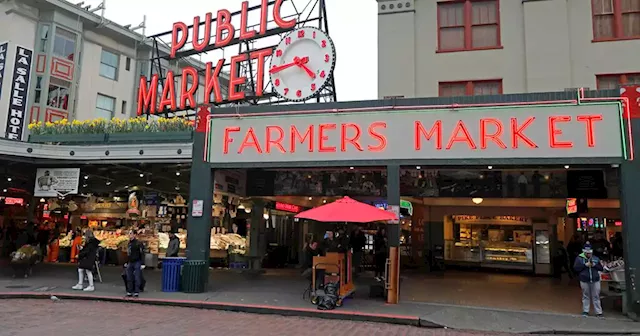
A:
334,265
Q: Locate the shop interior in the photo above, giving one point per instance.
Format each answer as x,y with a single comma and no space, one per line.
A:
468,236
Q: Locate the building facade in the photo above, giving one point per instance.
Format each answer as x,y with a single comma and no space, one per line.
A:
83,66
477,47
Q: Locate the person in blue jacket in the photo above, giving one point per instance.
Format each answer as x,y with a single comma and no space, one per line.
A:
588,266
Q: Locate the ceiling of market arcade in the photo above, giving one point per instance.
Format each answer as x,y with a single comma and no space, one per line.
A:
104,180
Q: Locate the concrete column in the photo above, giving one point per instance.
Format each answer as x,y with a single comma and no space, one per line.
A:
393,235
629,200
201,189
256,235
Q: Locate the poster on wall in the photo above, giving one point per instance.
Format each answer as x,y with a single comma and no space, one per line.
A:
54,182
19,93
3,62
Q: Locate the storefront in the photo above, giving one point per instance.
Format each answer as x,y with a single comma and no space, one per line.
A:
559,134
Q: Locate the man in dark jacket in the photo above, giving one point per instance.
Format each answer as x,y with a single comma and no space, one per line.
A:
86,261
135,254
174,246
588,266
357,241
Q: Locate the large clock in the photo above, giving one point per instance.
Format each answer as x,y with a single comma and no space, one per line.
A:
302,63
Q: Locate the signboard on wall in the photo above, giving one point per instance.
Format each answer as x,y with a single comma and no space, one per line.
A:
19,93
563,131
3,62
54,182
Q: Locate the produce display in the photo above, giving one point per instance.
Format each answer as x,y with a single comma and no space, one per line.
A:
66,240
26,253
112,240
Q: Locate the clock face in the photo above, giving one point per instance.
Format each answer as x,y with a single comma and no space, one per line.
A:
302,64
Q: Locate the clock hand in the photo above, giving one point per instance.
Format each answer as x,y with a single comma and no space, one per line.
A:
282,67
307,70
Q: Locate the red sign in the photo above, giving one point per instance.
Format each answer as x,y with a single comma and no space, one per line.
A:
287,207
13,201
182,97
632,93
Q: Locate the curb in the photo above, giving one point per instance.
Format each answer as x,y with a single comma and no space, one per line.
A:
240,308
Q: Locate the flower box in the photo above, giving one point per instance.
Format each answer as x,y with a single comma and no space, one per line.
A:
68,138
150,137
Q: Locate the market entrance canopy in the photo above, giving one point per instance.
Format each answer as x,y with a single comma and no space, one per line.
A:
589,130
349,210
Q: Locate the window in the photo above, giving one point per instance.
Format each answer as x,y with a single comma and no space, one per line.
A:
38,90
108,65
44,36
470,88
123,109
468,25
105,107
615,19
58,95
64,44
607,82
127,65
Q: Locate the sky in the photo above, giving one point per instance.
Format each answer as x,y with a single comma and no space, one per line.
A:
352,27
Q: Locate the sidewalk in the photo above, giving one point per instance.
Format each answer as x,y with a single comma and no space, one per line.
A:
278,293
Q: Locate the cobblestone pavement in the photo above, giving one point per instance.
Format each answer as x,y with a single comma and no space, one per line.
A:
82,318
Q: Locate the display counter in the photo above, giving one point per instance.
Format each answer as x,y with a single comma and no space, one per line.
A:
510,255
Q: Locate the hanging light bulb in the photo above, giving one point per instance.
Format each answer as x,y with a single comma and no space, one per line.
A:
477,200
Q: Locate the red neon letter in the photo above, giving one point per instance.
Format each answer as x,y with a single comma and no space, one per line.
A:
277,141
495,137
195,39
223,23
553,142
187,94
589,120
420,132
175,43
282,23
168,93
517,133
260,55
322,137
264,7
344,139
244,16
227,138
148,95
377,135
234,80
250,140
466,137
296,137
212,82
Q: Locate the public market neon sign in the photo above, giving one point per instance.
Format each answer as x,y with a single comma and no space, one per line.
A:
225,33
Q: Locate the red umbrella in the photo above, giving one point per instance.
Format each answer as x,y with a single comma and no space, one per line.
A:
347,209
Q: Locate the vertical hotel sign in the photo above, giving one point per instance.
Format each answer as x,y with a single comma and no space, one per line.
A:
19,93
3,62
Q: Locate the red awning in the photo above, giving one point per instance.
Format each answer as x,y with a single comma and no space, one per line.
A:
347,209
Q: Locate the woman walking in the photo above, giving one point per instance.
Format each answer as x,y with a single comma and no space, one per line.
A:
86,261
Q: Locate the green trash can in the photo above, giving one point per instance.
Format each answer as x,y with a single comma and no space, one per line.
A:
195,276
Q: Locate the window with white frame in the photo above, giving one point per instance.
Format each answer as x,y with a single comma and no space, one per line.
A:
64,44
109,65
105,107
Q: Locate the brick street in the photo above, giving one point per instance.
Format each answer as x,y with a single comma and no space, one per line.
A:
83,318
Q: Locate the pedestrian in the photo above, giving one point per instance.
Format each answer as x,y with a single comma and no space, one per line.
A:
173,249
87,260
380,253
588,266
76,244
44,234
357,241
135,255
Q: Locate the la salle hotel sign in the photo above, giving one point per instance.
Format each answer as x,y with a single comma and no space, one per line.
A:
587,131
